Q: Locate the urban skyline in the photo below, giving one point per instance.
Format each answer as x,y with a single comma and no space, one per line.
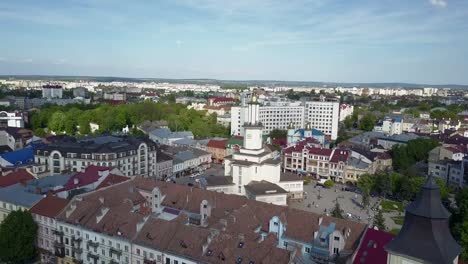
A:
328,41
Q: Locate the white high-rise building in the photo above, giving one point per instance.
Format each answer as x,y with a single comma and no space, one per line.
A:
322,114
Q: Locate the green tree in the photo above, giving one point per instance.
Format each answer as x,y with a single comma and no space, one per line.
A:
367,122
365,199
379,220
17,236
329,183
383,184
57,122
366,182
337,212
278,133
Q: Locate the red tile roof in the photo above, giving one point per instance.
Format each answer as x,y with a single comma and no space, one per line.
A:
320,151
112,179
219,144
20,175
339,155
372,247
90,175
221,99
50,206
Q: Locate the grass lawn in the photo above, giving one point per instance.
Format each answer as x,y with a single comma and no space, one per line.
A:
388,206
395,231
398,220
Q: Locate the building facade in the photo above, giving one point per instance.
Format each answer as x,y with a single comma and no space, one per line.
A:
322,114
12,119
131,155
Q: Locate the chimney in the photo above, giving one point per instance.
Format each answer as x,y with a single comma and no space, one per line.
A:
140,224
320,219
70,209
76,181
101,214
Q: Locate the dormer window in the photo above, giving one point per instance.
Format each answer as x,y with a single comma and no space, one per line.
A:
240,245
337,238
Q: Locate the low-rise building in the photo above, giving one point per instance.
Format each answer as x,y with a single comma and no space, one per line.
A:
167,137
217,148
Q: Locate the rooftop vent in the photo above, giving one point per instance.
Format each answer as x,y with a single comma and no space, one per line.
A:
239,260
182,244
209,253
240,245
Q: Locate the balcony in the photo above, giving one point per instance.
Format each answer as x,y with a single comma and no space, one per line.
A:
116,251
92,255
93,244
76,239
57,232
149,261
77,250
113,261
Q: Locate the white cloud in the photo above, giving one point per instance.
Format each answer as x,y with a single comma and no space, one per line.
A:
438,3
178,43
27,60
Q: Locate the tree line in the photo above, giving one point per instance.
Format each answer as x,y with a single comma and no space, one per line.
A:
76,119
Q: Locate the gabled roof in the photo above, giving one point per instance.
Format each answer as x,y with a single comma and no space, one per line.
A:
372,247
219,144
17,176
112,179
339,155
50,206
91,174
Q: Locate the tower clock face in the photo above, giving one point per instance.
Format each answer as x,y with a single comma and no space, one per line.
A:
249,136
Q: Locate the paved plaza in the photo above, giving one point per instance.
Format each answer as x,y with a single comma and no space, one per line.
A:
322,200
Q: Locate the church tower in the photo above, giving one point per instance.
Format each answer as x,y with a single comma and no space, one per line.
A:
425,236
253,127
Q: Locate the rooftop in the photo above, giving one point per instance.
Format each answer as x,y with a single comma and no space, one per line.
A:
50,206
264,188
14,177
372,247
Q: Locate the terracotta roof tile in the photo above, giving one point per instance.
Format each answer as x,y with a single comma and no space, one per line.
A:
50,206
14,177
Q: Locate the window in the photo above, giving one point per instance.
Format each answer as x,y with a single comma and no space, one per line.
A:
285,244
335,250
307,249
337,238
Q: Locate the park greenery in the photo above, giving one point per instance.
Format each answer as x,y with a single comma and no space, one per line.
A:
76,119
404,156
399,186
17,237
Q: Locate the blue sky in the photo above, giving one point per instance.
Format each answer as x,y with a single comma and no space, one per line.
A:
423,41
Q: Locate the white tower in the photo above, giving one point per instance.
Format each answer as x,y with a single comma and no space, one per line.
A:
253,127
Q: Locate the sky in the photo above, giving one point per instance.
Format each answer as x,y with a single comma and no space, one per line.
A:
416,41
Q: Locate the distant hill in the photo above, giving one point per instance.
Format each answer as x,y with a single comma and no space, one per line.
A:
229,82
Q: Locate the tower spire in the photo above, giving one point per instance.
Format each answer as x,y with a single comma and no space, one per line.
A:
425,235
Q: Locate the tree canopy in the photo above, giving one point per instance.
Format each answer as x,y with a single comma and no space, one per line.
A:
337,212
75,119
404,156
17,236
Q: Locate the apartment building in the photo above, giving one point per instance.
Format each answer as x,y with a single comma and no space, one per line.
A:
147,221
340,165
44,214
322,114
131,155
52,91
12,119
